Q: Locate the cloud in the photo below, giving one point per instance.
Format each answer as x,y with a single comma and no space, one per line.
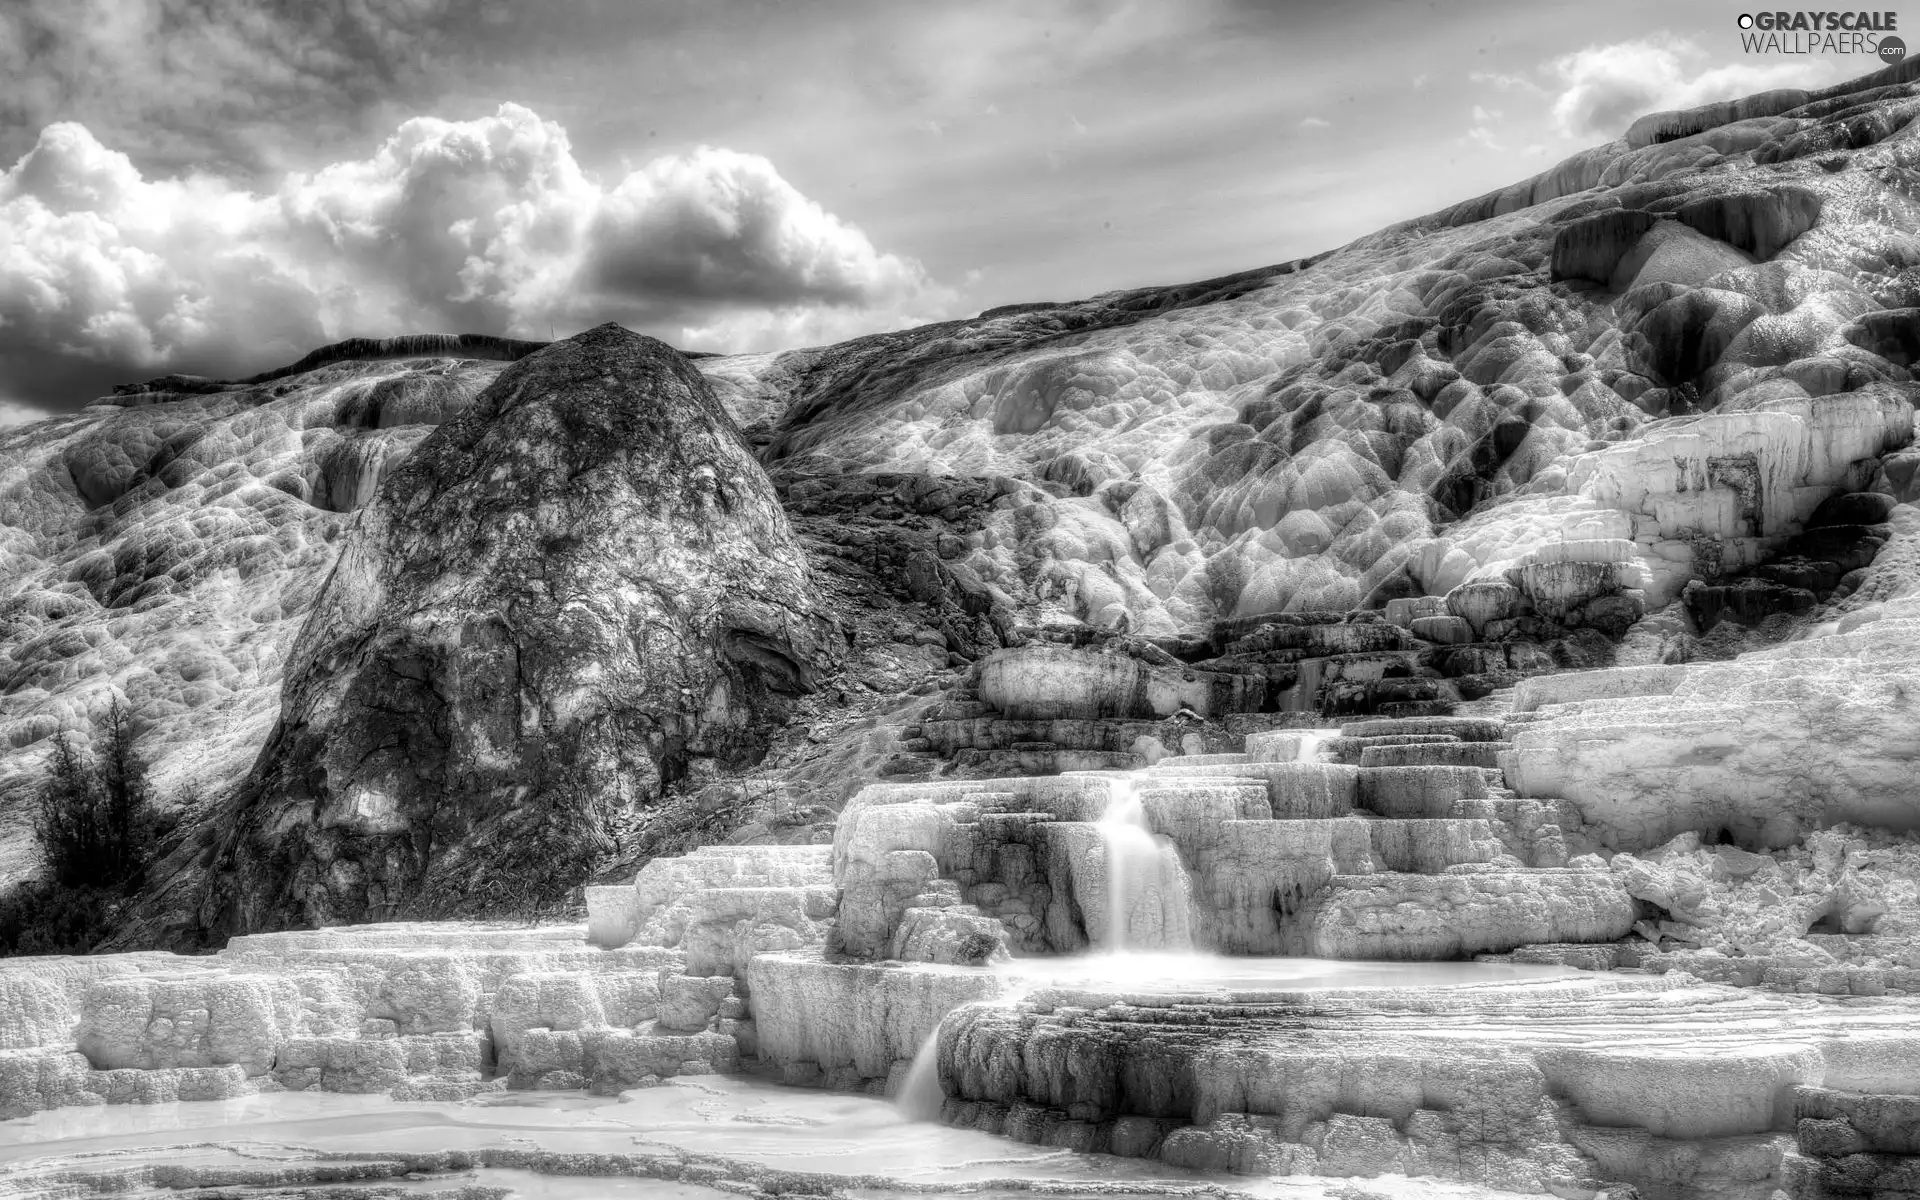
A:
1314,123
487,225
12,412
212,80
752,330
722,227
1481,130
1505,83
1604,89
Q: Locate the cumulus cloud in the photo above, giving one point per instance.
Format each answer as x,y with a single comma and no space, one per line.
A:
1604,89
488,225
721,226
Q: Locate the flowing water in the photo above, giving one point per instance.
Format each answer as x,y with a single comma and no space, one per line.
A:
1251,979
1301,696
1312,741
1149,899
1147,946
921,1093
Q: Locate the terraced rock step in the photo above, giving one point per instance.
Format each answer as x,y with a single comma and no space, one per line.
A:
1436,754
429,1011
1467,910
1348,749
1466,729
713,886
1650,753
1022,864
1637,1078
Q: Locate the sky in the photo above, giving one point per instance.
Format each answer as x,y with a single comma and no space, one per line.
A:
219,186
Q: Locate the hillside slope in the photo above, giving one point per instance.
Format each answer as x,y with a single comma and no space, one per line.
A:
1615,394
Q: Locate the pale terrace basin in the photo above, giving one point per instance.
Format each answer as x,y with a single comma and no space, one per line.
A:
694,1139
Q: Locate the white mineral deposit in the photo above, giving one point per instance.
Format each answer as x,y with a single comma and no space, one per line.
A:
776,710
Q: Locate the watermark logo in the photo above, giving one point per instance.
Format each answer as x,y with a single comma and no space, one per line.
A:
1801,33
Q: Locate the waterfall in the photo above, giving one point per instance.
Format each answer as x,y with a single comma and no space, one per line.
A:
1311,742
1148,907
1149,899
921,1095
1304,695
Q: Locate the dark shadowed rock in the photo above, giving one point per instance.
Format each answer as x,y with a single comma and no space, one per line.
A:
1684,336
1893,334
1591,248
566,596
1852,508
1758,222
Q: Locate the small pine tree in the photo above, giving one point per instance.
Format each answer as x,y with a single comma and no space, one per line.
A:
96,818
126,800
69,821
97,825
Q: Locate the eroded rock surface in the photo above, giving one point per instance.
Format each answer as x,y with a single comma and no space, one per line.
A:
1533,582
167,547
1600,409
564,599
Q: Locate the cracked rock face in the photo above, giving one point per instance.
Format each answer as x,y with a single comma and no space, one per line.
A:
565,599
1609,404
1652,360
166,547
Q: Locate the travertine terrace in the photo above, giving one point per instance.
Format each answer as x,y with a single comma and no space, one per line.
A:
1445,710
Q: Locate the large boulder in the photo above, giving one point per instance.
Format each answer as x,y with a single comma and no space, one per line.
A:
565,598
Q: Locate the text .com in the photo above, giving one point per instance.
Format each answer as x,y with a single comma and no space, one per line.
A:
1868,33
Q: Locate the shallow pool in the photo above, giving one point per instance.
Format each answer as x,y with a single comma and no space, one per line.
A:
736,1131
1177,973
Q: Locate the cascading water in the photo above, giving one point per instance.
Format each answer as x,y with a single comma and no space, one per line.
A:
1304,695
1312,741
921,1095
1149,907
1149,899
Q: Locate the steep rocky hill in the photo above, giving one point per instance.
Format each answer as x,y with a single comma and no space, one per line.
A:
1651,405
579,585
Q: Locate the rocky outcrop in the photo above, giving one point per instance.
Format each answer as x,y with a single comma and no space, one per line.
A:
1761,750
1258,445
575,593
124,527
1636,373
